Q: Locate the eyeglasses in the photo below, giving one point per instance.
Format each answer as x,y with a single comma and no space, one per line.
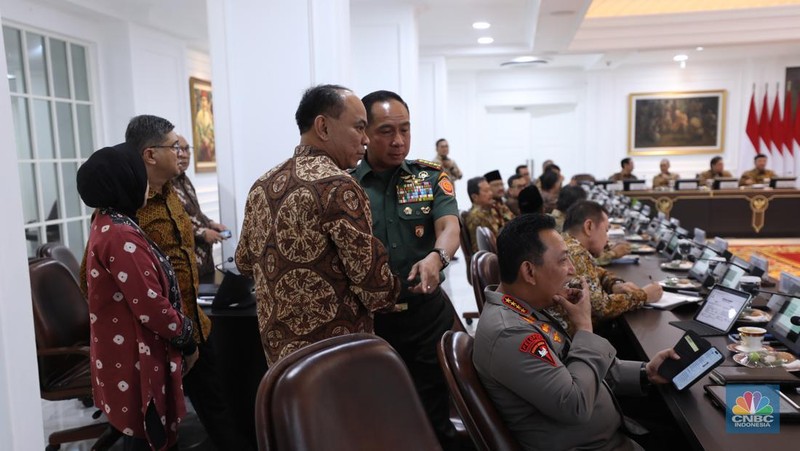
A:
175,148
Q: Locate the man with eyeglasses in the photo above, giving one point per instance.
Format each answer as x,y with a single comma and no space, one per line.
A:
165,221
206,231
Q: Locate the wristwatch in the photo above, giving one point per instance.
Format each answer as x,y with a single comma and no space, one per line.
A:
443,256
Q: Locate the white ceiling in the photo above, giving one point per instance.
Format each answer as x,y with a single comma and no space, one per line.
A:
567,33
605,33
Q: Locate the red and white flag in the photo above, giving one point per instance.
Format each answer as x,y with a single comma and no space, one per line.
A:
764,130
789,134
752,144
776,162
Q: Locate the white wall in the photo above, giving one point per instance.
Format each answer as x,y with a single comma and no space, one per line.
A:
20,413
579,118
385,56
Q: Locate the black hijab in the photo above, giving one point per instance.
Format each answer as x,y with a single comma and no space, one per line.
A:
115,178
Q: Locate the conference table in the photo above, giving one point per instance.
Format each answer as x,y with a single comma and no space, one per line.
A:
702,423
742,213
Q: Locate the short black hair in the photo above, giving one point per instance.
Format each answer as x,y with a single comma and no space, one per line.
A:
381,96
530,200
517,169
438,140
715,160
568,196
761,155
582,210
473,186
512,178
147,130
316,100
552,167
549,180
623,162
519,241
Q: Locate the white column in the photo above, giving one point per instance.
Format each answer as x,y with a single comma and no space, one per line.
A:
386,56
20,408
264,54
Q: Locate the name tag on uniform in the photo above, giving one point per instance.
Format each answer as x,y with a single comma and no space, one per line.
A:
414,190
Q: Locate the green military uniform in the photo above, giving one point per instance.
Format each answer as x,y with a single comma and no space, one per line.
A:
663,179
755,176
405,203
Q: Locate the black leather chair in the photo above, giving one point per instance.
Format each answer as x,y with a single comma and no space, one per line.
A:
485,272
61,327
343,393
57,251
480,417
486,239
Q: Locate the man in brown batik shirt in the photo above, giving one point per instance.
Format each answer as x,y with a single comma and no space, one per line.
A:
307,233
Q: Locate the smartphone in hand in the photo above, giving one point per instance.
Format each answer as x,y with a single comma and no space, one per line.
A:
225,234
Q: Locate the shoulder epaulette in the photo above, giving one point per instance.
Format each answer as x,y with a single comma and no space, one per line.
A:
430,164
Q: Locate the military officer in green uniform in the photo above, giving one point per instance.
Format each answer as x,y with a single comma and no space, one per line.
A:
414,214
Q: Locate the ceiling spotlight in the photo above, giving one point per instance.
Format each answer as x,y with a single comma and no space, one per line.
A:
481,25
699,49
681,58
485,40
524,59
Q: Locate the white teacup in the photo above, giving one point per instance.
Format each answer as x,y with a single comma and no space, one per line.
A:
752,338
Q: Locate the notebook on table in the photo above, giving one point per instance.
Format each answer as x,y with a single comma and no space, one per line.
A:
716,317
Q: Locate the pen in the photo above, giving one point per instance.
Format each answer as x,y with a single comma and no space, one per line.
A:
789,400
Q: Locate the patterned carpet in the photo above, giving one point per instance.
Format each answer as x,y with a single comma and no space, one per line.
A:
781,257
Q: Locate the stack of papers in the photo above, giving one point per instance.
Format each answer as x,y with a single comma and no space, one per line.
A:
671,300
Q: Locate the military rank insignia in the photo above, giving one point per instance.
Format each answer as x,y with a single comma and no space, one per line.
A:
414,190
535,345
419,230
430,164
514,305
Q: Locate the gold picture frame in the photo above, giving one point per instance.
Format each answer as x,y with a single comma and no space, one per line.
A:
676,123
202,103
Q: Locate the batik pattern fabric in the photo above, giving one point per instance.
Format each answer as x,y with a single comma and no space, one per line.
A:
200,223
606,304
166,223
307,241
486,217
138,333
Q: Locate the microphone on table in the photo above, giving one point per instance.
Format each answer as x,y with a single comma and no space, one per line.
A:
795,320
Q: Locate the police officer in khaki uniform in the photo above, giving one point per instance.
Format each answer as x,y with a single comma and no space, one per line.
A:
553,391
759,174
414,214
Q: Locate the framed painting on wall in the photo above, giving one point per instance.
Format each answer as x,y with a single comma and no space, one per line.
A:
205,155
674,123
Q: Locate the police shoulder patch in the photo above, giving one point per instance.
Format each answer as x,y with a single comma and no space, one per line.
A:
535,345
429,164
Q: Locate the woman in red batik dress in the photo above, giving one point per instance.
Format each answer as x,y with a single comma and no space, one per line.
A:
141,343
